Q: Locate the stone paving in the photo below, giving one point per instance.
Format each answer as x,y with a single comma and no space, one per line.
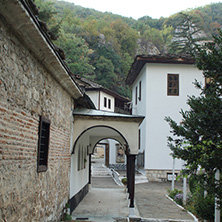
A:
108,202
152,202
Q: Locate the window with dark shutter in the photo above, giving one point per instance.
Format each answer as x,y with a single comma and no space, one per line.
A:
140,91
105,102
173,85
43,146
136,96
109,103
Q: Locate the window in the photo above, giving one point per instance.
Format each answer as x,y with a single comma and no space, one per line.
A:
105,102
43,145
173,85
136,96
139,91
109,103
139,138
120,154
82,158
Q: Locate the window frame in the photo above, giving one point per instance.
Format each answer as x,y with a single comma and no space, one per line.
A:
173,87
42,165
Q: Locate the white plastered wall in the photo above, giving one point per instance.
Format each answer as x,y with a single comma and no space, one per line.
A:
79,178
108,97
94,96
157,105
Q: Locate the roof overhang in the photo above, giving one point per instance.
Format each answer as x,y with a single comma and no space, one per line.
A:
141,60
18,15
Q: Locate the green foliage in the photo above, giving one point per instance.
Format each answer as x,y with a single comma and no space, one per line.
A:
197,139
124,181
77,53
177,196
113,37
201,201
47,13
105,73
173,193
186,35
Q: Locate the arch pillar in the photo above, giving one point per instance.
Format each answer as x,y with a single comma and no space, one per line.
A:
130,179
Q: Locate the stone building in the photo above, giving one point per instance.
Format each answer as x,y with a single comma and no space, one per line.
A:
36,92
48,125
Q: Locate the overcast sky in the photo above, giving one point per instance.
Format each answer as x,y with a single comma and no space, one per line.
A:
140,8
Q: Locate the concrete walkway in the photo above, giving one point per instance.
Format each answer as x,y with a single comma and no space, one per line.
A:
108,202
153,205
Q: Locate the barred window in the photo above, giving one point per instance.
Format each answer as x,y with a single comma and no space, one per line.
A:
43,144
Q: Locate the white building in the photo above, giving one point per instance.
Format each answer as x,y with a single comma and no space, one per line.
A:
160,88
107,100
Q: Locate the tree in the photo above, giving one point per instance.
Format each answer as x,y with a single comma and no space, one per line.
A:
46,13
105,73
77,53
198,138
187,35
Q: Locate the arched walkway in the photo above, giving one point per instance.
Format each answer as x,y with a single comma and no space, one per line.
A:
90,127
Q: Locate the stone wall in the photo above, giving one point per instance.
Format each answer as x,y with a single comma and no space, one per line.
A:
159,175
27,91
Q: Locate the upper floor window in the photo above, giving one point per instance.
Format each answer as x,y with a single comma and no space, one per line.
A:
173,84
136,96
105,102
139,91
43,146
109,103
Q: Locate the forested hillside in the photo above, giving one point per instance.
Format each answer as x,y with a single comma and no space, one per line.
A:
101,46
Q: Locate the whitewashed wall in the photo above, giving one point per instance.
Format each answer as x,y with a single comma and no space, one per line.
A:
157,105
78,178
94,96
109,97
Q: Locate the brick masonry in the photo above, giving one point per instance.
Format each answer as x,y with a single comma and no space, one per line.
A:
27,90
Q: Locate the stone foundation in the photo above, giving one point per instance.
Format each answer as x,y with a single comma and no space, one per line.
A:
160,175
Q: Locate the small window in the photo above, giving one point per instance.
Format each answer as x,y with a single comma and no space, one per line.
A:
139,139
82,158
105,102
136,96
139,91
43,145
109,103
173,85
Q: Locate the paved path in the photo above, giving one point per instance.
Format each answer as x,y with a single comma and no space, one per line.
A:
152,202
107,202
